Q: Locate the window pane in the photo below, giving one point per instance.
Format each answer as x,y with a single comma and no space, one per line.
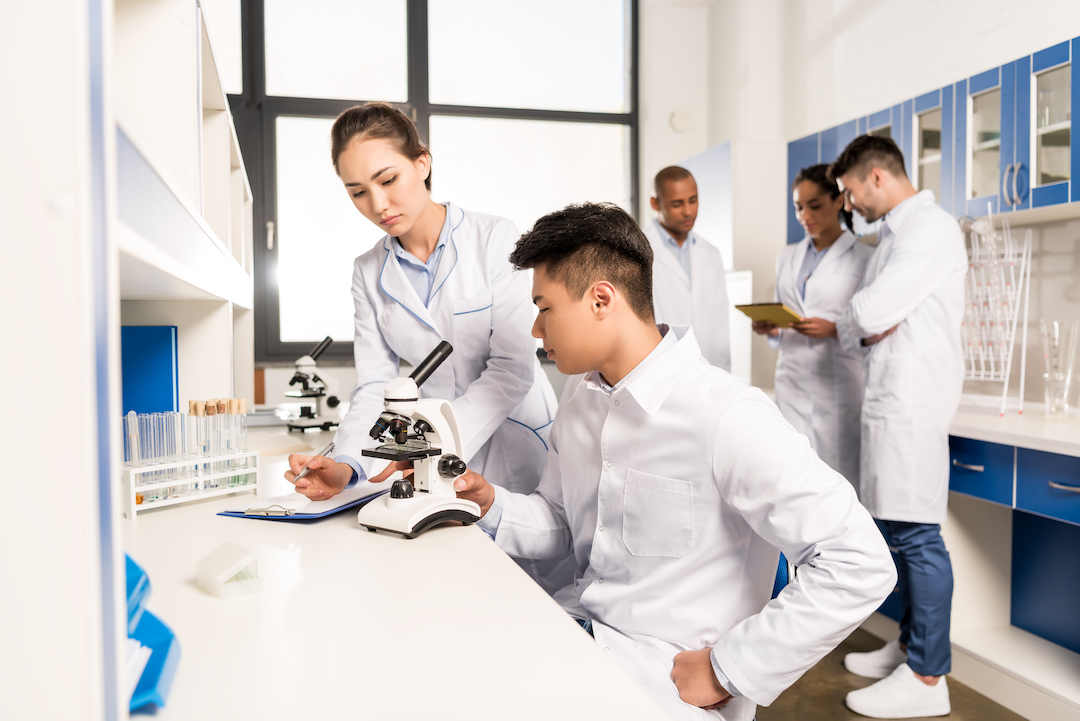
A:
223,25
1054,125
341,49
885,131
985,143
319,234
929,152
523,169
537,54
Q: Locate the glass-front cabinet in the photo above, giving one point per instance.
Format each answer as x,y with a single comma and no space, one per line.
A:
1053,103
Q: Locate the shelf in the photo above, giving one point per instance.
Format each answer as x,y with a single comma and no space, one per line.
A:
1052,669
201,495
167,251
1053,128
987,145
1034,216
195,479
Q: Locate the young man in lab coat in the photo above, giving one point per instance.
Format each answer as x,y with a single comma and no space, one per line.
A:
689,282
906,318
674,485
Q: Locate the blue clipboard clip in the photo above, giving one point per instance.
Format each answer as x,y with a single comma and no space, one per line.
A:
274,510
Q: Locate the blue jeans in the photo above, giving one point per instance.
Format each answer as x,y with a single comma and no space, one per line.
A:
926,586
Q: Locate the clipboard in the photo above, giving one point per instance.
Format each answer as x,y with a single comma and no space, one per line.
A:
777,313
295,507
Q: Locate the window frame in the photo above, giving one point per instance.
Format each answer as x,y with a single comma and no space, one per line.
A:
255,116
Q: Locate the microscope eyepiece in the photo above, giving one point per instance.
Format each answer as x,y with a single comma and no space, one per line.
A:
429,364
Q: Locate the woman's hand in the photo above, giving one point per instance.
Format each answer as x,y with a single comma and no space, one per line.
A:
815,328
765,327
326,479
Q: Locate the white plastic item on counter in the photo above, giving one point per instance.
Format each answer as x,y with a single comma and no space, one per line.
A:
229,571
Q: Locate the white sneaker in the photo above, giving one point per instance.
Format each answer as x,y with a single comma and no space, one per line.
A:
901,695
876,664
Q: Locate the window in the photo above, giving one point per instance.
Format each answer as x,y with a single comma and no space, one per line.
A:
509,136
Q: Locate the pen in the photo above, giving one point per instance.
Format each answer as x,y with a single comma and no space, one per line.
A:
323,452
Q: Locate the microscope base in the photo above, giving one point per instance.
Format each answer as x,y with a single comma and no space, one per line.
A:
410,517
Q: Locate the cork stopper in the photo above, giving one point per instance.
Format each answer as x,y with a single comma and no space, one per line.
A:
234,406
200,408
211,407
191,407
243,406
222,406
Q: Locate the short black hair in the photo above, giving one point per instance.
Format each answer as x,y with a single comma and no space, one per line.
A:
867,152
589,242
669,174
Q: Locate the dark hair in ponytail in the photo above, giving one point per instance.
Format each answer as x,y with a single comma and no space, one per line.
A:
377,120
819,176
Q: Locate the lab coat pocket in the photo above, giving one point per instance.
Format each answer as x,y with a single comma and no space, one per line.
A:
472,325
658,515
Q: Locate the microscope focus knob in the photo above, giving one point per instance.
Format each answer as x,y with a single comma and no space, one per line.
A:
450,466
401,489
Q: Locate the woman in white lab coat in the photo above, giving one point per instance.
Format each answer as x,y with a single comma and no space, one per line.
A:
440,273
818,383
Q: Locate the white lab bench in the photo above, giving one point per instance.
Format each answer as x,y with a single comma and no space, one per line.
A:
353,624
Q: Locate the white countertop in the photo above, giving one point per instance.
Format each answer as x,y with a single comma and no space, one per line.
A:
352,624
1028,430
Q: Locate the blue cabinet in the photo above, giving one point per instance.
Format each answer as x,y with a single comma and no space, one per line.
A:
980,469
1004,138
1048,484
1045,584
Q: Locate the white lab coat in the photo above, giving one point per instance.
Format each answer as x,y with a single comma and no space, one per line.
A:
700,301
914,377
675,492
819,383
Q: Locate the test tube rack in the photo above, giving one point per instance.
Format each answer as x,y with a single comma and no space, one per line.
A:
997,286
202,481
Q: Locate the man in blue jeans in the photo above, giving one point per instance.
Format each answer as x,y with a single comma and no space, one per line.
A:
906,319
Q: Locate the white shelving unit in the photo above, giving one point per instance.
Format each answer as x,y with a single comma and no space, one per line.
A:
184,205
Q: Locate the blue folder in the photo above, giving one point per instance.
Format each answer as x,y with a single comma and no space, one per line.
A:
148,368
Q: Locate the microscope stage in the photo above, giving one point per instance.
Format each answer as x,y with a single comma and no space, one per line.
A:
395,452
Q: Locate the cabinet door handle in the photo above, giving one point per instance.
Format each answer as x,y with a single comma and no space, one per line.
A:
1005,186
965,466
1015,194
1063,487
269,235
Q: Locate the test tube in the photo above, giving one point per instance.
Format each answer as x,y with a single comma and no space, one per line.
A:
234,414
199,423
213,437
223,431
241,433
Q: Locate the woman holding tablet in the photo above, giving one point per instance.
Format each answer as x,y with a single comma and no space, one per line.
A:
440,273
819,384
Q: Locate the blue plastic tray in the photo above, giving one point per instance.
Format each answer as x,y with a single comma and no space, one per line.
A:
153,687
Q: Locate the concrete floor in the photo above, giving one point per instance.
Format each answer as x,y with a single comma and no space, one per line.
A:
819,694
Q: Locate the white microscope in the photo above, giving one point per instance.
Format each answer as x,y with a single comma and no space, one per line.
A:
312,387
428,497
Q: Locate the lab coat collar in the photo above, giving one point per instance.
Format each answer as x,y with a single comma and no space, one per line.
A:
898,216
394,283
840,246
664,256
650,383
455,217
